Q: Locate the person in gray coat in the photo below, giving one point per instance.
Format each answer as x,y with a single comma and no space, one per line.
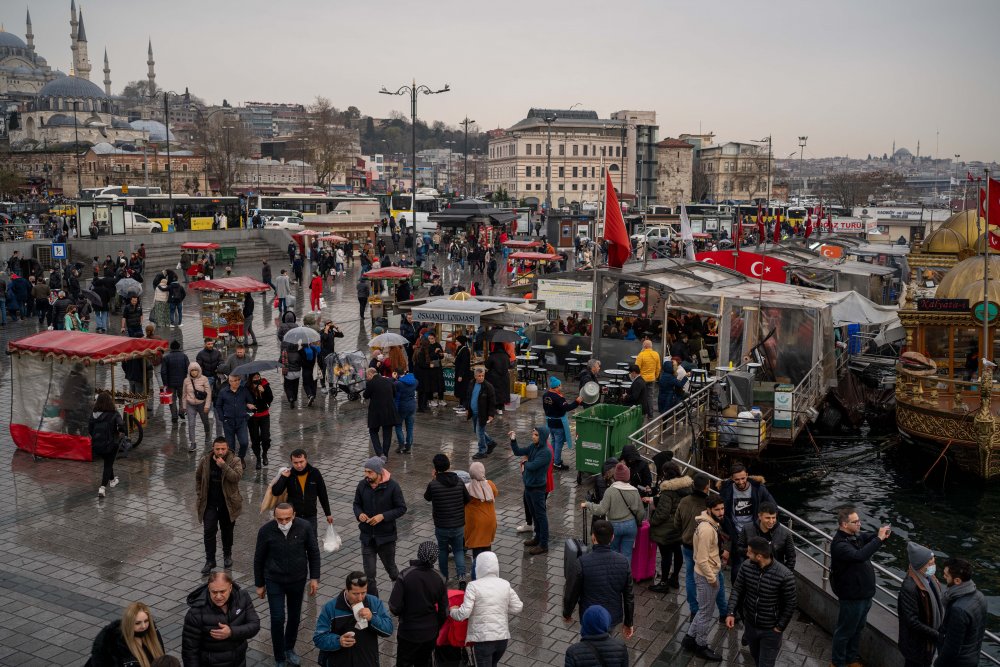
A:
282,289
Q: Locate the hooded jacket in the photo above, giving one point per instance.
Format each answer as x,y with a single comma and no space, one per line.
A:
707,561
232,472
448,497
662,529
198,648
287,323
641,477
420,599
105,429
596,647
110,649
385,499
489,600
758,494
539,457
498,373
406,394
191,384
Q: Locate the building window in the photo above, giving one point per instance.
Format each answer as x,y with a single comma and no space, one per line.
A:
538,186
527,171
592,186
562,186
575,172
618,151
574,186
593,174
538,172
538,149
576,150
527,149
562,149
585,150
562,172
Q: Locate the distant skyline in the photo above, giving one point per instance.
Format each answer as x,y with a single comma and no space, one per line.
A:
853,76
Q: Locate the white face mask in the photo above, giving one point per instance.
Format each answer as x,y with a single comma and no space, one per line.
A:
931,569
285,527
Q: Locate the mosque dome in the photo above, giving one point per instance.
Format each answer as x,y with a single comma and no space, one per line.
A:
946,241
156,129
965,280
72,87
11,41
59,120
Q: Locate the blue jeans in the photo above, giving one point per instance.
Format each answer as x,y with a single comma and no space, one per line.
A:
281,306
407,421
482,440
624,539
176,309
851,620
558,440
454,539
535,498
283,636
100,320
692,598
237,431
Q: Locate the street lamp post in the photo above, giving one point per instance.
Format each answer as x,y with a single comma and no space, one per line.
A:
451,151
166,125
413,90
76,150
548,163
465,182
802,152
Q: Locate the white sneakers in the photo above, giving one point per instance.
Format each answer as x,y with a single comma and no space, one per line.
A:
113,483
101,492
524,528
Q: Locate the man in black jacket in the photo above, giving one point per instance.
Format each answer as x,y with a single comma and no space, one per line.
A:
602,577
463,371
596,647
233,406
382,413
964,617
920,608
852,579
173,370
420,599
779,537
743,497
219,624
637,391
305,486
286,555
448,497
764,596
378,502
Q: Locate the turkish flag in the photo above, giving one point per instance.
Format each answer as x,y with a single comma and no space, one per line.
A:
809,226
777,228
990,209
750,264
619,247
994,242
761,232
726,258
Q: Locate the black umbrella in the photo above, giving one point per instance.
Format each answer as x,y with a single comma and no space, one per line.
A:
252,367
503,336
93,297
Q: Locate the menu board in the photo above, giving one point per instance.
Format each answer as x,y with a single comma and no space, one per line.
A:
633,298
570,295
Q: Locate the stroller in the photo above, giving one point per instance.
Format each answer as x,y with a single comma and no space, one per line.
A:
346,371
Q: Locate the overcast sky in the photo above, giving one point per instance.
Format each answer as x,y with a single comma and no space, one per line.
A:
853,75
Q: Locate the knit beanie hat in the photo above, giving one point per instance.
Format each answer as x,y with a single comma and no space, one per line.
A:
374,464
918,555
622,473
554,382
427,552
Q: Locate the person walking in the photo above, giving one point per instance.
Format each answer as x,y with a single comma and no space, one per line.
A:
265,275
448,498
405,389
173,371
315,291
534,469
780,537
463,371
602,577
622,507
597,648
764,597
743,497
349,626
282,290
420,599
291,371
382,415
852,579
378,503
920,608
498,375
489,601
480,512
234,405
248,308
328,346
106,428
131,317
220,622
364,291
309,356
259,423
286,555
707,566
196,397
479,408
305,485
556,409
663,531
217,483
965,613
132,641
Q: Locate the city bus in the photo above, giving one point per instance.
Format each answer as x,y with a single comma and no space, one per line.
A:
401,208
304,204
117,191
197,213
796,215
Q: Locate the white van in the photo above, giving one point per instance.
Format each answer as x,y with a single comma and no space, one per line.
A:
657,238
137,223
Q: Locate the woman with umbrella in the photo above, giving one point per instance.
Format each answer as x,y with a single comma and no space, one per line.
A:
291,371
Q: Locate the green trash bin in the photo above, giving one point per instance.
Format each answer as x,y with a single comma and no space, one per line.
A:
226,255
601,432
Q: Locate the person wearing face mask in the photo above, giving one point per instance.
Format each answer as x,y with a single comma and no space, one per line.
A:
133,640
921,608
286,555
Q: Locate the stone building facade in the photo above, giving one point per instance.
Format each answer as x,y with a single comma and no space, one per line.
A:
674,171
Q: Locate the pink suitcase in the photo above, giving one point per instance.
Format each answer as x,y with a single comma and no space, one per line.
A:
643,554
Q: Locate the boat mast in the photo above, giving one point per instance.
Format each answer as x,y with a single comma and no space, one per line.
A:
986,273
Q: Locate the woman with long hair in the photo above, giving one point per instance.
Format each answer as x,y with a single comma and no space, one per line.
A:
397,361
105,428
133,640
72,320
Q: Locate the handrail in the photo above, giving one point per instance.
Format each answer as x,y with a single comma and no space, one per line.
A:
677,417
823,559
808,389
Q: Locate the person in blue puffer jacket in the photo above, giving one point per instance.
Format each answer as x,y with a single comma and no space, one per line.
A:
670,387
406,407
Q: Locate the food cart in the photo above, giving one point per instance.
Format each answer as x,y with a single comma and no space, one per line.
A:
189,255
304,239
517,244
380,299
55,376
222,304
526,265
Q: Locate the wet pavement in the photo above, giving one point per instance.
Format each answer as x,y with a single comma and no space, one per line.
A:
70,562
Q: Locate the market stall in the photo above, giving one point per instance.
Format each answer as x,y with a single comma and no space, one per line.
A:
55,377
222,304
525,265
383,296
190,252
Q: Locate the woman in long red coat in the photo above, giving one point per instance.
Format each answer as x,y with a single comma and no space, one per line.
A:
315,290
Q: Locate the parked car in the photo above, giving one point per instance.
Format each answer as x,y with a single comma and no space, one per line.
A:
286,222
658,238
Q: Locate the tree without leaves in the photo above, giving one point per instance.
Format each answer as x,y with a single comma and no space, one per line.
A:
699,185
853,189
10,183
224,141
328,145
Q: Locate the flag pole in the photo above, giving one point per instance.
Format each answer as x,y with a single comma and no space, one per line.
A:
596,308
986,272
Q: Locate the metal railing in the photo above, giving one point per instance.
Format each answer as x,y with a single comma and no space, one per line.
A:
813,543
677,419
805,395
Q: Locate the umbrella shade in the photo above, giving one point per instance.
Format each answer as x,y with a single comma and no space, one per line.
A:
387,340
257,366
503,336
93,297
305,335
128,286
333,238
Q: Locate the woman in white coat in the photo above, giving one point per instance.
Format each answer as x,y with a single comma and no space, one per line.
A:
489,601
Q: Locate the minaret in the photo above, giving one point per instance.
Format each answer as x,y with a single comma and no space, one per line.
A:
151,75
29,35
72,29
83,62
107,75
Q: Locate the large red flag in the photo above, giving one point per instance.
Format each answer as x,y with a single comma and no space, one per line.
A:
990,209
619,247
739,232
761,232
809,226
777,228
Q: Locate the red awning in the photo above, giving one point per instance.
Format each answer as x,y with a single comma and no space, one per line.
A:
82,345
333,238
235,285
199,245
535,256
389,273
522,244
307,232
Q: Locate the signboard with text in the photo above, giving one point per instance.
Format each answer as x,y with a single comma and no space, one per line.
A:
571,295
632,296
943,305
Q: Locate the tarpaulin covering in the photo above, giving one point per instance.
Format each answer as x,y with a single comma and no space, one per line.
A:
522,244
87,346
236,285
534,256
199,245
389,273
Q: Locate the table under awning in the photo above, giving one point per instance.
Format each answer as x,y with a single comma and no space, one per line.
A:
235,285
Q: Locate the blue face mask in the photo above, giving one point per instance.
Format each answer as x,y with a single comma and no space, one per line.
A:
931,569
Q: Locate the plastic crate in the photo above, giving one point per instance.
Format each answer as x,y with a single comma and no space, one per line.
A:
602,431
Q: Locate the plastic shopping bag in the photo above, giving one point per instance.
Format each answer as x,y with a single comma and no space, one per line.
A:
332,541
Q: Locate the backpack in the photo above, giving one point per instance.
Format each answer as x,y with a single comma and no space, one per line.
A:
177,293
